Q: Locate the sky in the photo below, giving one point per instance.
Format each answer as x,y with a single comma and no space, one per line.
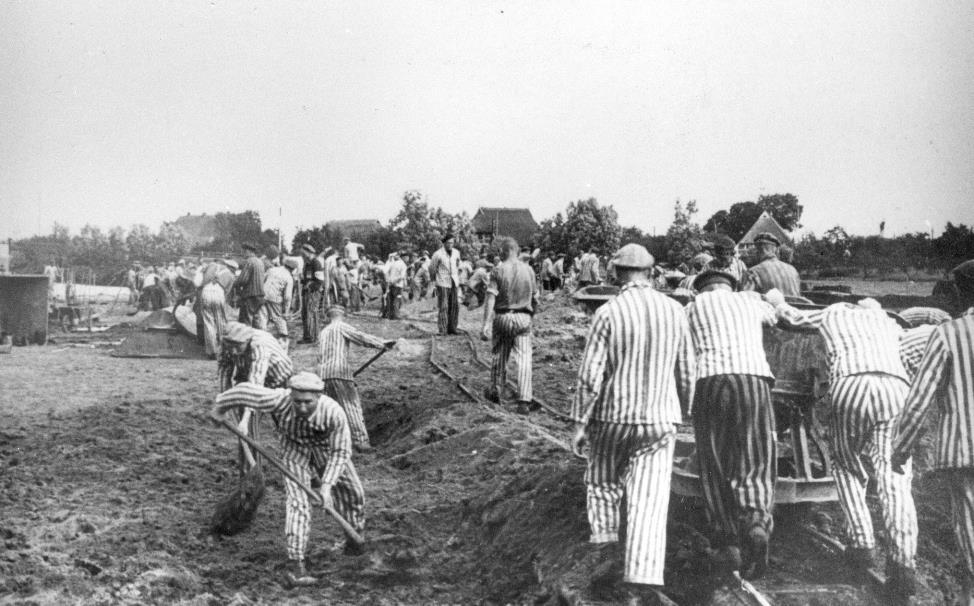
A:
117,113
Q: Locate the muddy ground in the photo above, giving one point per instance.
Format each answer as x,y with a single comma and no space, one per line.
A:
110,471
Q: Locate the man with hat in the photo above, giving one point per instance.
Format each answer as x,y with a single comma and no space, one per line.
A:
312,279
733,419
217,280
396,273
512,295
278,286
634,379
249,288
770,271
444,272
317,448
725,260
868,387
251,354
339,383
944,376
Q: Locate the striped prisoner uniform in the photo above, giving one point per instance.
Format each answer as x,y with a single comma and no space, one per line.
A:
867,387
736,268
334,370
775,273
514,287
444,271
635,375
913,342
918,316
263,362
315,447
733,418
947,374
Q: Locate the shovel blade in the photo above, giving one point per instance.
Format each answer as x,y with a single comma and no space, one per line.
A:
237,510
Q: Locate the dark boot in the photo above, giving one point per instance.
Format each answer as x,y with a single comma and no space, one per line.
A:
901,582
757,551
353,549
523,407
860,557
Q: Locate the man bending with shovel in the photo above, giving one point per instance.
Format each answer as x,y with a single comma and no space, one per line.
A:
317,449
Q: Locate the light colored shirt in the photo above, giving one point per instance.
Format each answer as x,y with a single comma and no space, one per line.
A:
946,375
638,364
546,267
325,431
466,268
444,268
513,285
264,362
396,271
333,348
588,268
351,251
858,340
278,285
913,343
728,333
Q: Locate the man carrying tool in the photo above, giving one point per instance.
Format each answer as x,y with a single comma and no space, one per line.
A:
444,272
339,382
772,272
867,388
726,261
945,375
733,420
512,295
317,448
312,279
252,355
249,288
635,377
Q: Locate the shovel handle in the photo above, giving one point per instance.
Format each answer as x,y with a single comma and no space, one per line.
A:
369,362
350,532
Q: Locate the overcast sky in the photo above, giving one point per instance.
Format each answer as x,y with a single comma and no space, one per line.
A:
115,113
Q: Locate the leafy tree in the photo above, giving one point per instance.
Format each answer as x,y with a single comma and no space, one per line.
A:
738,220
656,245
586,226
170,242
141,244
684,237
419,227
955,245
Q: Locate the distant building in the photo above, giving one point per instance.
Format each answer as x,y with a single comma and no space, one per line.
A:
199,230
493,222
356,230
764,223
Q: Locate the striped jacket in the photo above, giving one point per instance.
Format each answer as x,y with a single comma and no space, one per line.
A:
333,348
918,316
264,362
326,429
250,282
775,273
728,336
947,371
857,339
638,362
913,343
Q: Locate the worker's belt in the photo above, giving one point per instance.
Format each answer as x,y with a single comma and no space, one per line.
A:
514,311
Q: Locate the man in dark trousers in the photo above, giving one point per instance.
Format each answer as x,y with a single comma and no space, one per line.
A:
312,278
733,420
249,288
444,271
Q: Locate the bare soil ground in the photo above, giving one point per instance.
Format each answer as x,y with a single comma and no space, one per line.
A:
109,473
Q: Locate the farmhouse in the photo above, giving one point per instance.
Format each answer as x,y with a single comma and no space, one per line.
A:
491,222
764,223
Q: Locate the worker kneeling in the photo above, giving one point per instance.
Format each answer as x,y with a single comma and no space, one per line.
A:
317,448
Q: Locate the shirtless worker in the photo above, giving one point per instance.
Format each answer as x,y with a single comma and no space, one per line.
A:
317,448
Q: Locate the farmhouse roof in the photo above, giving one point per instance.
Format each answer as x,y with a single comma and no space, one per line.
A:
516,223
765,223
355,228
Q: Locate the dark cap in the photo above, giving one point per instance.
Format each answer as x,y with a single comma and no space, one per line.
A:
249,246
308,248
724,245
713,275
447,236
766,237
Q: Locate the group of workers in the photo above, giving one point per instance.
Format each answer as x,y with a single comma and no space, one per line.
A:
650,364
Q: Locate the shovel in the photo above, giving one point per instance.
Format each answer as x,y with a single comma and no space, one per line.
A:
350,532
235,512
370,361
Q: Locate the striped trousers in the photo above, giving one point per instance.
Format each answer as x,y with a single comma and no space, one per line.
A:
213,308
865,410
634,461
962,510
448,305
512,333
734,430
347,493
345,393
309,314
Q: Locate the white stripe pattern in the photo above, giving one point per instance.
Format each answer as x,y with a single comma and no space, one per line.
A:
863,424
638,361
512,335
634,461
962,513
947,368
913,342
333,348
727,333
